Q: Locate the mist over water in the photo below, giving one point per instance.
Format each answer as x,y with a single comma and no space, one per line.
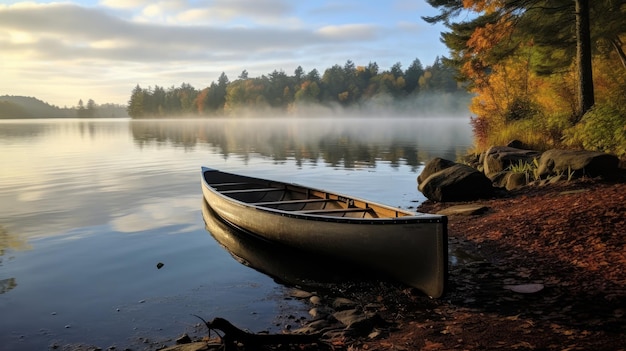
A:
89,207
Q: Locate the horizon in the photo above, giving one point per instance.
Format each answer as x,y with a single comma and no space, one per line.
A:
102,49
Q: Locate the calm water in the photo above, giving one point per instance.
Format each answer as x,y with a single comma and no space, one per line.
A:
89,207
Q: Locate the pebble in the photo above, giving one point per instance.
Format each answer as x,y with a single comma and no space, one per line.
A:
315,300
300,294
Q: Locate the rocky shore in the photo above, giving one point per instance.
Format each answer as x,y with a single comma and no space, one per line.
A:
541,268
535,267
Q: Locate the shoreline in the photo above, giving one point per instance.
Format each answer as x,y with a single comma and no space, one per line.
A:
566,239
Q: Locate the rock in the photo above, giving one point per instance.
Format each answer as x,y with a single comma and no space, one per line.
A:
499,179
433,166
342,303
300,294
516,180
499,158
360,322
577,163
525,288
376,334
319,312
463,210
183,339
195,346
315,300
456,183
313,327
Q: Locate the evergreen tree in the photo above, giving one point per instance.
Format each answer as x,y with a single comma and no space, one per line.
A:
136,103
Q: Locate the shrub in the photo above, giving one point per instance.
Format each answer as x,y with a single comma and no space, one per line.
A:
603,128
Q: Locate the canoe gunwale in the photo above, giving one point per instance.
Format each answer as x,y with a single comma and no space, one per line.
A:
415,217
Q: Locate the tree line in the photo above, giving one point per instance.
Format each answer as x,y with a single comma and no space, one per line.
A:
346,86
30,107
546,72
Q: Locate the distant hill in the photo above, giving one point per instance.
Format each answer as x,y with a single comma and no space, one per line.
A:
30,107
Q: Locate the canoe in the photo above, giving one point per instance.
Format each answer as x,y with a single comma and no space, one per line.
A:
406,246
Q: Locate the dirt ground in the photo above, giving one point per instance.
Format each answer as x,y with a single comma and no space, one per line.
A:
566,240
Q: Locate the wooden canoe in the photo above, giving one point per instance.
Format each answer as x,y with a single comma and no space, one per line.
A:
406,246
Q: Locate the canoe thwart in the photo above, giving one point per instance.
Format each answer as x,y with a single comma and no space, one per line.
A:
216,185
335,210
253,190
289,202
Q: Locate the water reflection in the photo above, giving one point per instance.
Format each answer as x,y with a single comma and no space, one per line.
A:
285,265
8,241
341,142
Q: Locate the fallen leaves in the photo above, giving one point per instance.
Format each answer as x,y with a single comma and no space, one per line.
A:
562,266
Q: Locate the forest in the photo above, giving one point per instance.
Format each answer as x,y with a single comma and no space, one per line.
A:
550,73
339,86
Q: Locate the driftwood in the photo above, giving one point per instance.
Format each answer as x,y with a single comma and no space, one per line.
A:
234,336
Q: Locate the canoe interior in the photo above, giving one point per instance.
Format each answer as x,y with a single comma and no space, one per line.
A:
297,199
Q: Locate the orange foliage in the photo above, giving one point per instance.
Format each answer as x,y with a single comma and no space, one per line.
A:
485,38
199,101
487,6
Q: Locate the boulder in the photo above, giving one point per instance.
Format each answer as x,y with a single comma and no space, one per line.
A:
516,181
456,183
577,163
433,166
499,179
499,158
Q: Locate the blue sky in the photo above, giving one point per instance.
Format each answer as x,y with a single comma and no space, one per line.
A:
61,52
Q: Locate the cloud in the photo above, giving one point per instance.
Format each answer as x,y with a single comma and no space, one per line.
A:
180,212
124,4
121,43
91,33
349,32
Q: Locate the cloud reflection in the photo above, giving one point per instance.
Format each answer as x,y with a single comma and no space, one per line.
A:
160,213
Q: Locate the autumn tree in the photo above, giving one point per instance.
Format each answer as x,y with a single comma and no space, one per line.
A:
527,58
561,31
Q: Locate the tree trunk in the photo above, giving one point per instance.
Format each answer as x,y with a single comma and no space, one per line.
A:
617,44
583,58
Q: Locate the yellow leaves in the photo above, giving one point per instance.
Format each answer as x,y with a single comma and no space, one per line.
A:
343,96
400,82
486,38
487,6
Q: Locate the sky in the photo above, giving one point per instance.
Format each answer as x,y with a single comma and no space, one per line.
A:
62,52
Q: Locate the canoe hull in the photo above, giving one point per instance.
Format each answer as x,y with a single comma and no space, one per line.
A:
410,249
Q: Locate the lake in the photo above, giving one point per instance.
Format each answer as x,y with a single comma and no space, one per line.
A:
88,208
